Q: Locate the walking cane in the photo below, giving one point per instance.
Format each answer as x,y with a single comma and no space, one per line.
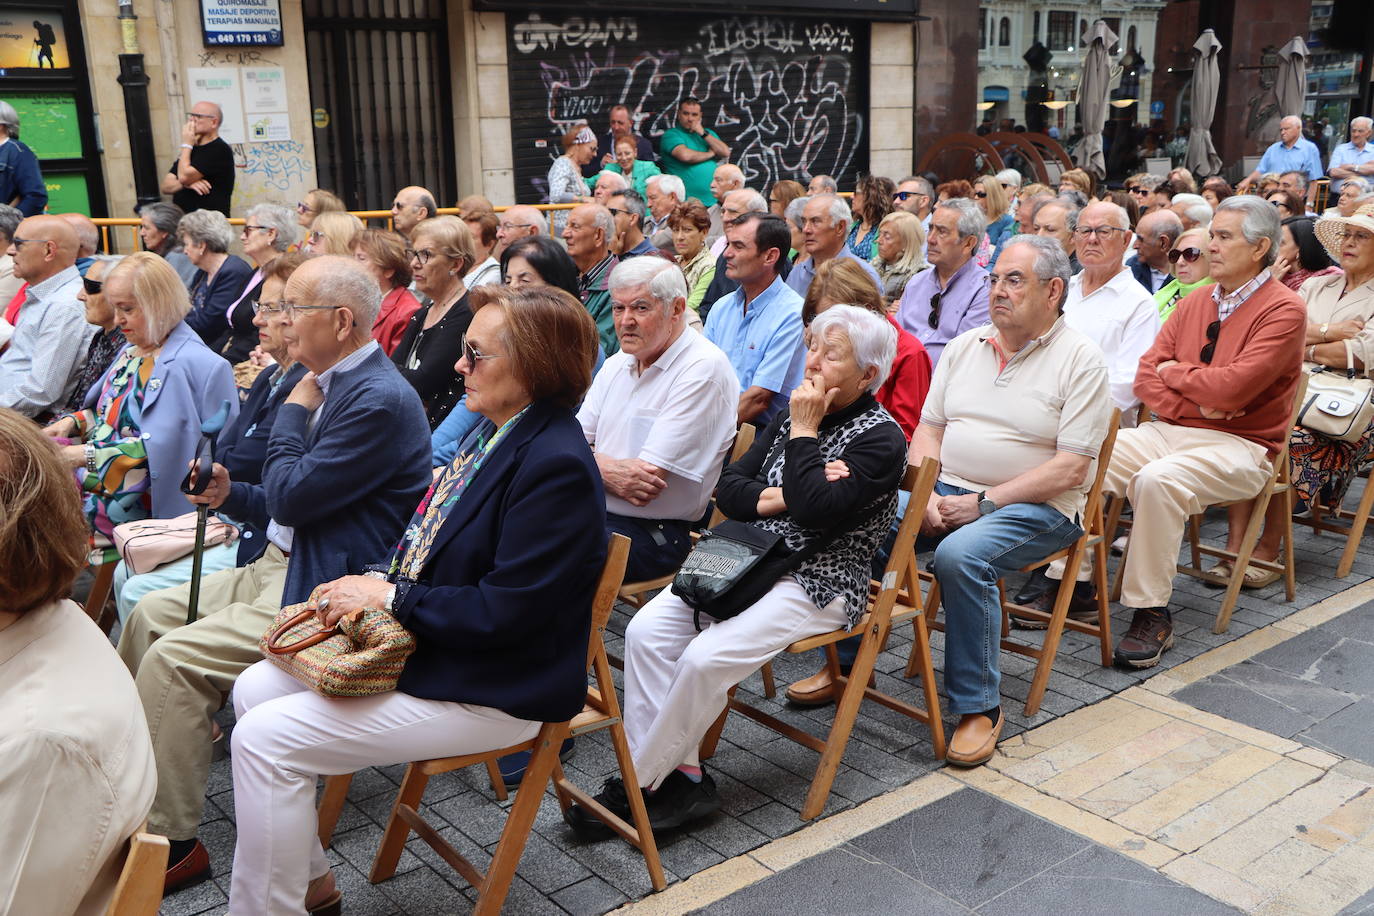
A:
197,479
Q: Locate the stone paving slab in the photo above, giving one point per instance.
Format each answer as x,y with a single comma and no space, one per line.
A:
763,780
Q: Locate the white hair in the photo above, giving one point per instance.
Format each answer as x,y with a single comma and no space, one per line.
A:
826,182
604,220
1050,260
617,183
837,209
1009,177
872,338
1362,121
347,285
754,202
208,228
670,185
1195,207
793,213
1259,220
663,278
9,119
275,216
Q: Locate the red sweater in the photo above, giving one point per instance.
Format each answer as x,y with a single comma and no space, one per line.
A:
904,392
1255,367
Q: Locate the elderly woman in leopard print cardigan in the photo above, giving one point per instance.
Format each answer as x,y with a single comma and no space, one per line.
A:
837,457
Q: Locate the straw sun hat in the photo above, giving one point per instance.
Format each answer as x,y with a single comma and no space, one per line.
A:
1331,229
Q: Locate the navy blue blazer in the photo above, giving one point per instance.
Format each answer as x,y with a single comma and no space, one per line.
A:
502,609
1141,271
348,484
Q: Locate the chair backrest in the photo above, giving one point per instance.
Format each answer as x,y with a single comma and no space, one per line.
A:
744,438
607,587
901,569
139,891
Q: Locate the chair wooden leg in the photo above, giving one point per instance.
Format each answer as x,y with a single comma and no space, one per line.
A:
331,805
770,689
397,831
920,628
1113,522
100,593
1054,630
1247,547
1195,541
639,812
712,736
491,894
498,783
846,711
1290,570
920,654
1357,526
1104,611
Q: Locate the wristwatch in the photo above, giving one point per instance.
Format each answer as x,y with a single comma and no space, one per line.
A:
985,505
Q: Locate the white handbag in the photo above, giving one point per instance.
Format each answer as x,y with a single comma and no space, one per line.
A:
1338,405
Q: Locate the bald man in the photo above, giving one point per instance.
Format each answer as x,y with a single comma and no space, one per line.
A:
51,337
87,239
410,206
202,177
726,178
518,222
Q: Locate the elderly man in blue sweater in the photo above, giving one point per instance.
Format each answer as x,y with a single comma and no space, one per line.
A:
347,461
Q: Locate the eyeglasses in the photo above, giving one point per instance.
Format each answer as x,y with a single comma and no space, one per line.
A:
1187,254
269,307
474,355
303,207
249,228
92,287
192,114
907,195
980,194
615,212
1141,192
1213,332
1013,281
1101,232
512,225
291,309
422,256
18,242
315,236
933,319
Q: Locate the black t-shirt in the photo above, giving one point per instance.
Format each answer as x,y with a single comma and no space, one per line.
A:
214,160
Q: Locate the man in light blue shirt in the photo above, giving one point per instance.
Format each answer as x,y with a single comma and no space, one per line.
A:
759,325
825,226
1291,153
1354,159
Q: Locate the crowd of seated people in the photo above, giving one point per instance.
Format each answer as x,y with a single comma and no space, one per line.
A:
457,403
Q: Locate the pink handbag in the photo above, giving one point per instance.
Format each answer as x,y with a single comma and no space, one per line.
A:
152,542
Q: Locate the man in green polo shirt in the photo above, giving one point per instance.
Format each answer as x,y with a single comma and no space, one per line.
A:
690,151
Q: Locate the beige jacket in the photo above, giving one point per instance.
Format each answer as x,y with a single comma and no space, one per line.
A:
1325,305
77,776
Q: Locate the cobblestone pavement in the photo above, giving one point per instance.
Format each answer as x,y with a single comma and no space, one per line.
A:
1117,776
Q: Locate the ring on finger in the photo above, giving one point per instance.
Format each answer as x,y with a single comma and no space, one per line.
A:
323,603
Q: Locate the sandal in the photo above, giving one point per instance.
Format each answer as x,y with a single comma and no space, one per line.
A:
1255,577
1219,576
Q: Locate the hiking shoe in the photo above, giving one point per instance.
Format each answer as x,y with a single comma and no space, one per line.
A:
1082,606
1151,632
679,800
588,826
1037,586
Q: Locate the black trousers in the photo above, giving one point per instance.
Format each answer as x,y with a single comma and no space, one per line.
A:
657,546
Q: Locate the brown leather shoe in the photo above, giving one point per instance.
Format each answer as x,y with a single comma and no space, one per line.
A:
975,740
193,869
816,690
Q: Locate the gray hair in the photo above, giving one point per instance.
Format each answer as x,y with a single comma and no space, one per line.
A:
347,285
1151,182
1362,183
826,182
1050,261
275,216
10,218
165,217
922,185
619,184
1362,121
1260,220
1301,176
109,260
671,185
754,202
9,119
1077,198
793,213
972,223
208,228
663,278
872,338
604,220
837,209
1195,207
632,204
1070,212
1009,177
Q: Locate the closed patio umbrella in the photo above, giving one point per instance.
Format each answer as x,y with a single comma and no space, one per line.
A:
1291,87
1202,159
1092,99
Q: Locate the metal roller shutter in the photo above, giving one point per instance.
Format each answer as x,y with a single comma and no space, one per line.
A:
789,95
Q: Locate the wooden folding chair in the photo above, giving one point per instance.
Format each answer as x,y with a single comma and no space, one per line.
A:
100,594
1278,485
602,711
139,891
1094,540
897,600
1320,520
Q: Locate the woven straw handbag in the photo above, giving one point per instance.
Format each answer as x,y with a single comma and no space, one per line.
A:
361,656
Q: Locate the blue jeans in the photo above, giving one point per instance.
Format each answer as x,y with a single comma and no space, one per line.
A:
968,563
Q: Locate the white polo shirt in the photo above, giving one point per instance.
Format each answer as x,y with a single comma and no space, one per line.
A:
1122,319
678,414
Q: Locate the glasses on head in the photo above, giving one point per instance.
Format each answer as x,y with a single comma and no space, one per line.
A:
1210,349
933,319
1187,254
980,194
1101,232
269,307
474,355
18,242
92,287
249,228
1012,281
423,255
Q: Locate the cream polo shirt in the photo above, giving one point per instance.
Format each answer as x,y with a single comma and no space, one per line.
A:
678,414
1122,319
1000,422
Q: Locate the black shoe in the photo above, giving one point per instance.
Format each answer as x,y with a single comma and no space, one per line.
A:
512,766
588,826
1151,633
1034,588
1082,606
679,800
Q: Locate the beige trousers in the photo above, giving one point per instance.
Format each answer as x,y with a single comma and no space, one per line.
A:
182,673
1168,473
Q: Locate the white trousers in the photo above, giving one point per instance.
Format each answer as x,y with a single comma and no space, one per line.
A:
677,680
288,735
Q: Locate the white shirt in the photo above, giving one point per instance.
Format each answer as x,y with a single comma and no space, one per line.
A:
489,271
1120,317
678,414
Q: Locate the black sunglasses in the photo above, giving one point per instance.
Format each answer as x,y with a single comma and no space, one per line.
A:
980,194
934,318
1213,332
1187,254
93,287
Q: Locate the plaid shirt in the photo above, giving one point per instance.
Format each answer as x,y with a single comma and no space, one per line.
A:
1229,302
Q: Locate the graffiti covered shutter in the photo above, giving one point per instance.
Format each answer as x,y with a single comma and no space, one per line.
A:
788,95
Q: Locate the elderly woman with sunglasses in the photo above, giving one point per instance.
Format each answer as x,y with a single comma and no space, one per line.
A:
1188,262
109,340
